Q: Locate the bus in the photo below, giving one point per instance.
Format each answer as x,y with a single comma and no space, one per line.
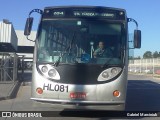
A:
65,69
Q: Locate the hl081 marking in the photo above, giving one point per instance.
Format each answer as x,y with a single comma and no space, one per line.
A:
50,87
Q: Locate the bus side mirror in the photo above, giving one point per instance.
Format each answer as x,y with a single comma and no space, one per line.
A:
137,39
28,26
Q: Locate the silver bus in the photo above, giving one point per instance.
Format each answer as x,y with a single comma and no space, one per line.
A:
81,56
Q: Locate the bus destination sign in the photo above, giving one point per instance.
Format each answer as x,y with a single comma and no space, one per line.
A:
82,13
93,14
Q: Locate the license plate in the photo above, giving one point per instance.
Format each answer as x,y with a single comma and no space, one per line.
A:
78,95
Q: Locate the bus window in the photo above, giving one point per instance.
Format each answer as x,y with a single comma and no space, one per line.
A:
70,40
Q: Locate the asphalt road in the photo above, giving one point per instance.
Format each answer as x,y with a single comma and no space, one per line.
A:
143,95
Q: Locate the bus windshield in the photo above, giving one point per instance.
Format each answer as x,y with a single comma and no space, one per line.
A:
88,41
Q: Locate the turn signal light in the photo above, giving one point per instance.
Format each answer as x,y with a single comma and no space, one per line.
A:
39,90
116,93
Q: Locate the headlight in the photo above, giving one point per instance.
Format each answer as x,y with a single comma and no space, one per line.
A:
109,73
49,71
105,74
114,70
44,69
52,73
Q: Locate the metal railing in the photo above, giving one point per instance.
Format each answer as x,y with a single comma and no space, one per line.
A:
149,66
24,65
8,67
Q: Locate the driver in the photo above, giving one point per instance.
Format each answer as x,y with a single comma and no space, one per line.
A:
102,52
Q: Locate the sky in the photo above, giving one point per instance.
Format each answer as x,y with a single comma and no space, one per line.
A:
145,12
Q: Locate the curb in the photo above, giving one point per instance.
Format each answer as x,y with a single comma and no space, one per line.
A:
14,90
26,83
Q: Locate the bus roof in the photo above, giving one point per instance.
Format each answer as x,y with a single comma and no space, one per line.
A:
88,12
85,7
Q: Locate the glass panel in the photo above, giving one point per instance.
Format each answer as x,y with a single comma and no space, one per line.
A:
81,41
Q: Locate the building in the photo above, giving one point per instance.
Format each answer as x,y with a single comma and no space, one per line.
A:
12,40
25,46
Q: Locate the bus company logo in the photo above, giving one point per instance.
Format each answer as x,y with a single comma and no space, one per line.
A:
6,114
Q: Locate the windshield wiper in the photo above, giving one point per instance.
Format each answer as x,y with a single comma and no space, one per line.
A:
58,61
106,64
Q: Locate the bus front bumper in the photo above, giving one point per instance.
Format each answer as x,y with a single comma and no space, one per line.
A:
77,104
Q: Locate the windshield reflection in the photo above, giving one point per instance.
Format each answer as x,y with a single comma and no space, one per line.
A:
80,41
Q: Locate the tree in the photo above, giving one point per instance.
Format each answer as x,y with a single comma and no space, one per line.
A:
155,54
147,54
138,57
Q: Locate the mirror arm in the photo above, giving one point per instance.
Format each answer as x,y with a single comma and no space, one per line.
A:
37,11
132,20
29,39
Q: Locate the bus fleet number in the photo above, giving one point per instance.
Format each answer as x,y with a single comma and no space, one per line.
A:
58,13
50,87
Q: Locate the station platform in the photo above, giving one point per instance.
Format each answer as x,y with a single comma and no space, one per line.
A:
9,90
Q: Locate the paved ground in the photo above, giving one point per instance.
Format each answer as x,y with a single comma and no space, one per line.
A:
8,90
